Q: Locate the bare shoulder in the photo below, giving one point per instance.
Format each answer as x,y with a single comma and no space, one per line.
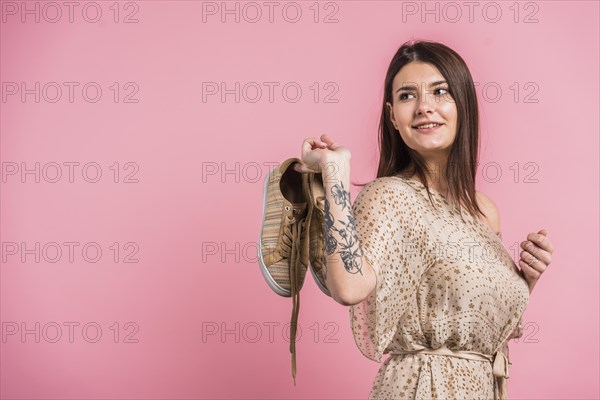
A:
490,210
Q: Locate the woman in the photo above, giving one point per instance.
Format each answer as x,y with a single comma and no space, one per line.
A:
418,256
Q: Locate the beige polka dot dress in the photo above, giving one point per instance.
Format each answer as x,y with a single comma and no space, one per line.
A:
448,296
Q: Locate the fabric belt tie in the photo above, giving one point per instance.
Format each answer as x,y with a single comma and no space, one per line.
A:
499,362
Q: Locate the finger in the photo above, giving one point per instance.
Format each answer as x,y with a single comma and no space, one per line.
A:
533,261
303,168
319,143
541,255
541,241
311,144
330,142
529,270
548,245
529,259
537,252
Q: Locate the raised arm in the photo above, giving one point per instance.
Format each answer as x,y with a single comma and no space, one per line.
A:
348,275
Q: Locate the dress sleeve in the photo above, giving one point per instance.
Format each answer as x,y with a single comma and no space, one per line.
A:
392,237
518,331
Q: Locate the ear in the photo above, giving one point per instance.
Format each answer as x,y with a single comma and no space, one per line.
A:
391,113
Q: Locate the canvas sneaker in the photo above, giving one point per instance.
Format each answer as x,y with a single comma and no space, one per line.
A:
283,249
317,256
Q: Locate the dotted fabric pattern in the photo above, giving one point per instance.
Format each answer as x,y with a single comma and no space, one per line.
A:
444,279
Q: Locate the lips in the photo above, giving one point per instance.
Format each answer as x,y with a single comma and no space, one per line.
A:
433,128
427,123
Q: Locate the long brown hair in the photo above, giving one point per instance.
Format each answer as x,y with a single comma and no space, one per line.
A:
396,158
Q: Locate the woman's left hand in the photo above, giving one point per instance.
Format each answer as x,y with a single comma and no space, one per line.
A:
535,257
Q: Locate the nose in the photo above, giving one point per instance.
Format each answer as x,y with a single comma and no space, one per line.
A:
425,104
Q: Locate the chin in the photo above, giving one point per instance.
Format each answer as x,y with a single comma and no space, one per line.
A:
429,148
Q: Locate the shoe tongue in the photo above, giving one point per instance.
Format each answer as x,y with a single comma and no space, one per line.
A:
317,186
298,208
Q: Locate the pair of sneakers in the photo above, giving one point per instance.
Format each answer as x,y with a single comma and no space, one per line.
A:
292,236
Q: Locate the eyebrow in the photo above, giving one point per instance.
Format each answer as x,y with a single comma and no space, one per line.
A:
410,87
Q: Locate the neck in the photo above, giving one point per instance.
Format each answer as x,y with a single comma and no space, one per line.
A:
436,173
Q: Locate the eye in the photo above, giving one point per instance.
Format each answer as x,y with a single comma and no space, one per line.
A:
403,96
444,89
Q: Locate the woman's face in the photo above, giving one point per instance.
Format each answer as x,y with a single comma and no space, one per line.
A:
418,97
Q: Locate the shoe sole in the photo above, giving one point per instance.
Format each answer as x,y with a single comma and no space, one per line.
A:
318,282
316,278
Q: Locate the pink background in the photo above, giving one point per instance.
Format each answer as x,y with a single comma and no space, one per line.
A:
175,215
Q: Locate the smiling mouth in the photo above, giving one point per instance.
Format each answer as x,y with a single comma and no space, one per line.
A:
427,126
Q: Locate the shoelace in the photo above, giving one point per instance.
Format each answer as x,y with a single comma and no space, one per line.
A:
320,209
292,232
320,204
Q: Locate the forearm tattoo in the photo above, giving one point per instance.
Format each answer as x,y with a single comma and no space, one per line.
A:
349,244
